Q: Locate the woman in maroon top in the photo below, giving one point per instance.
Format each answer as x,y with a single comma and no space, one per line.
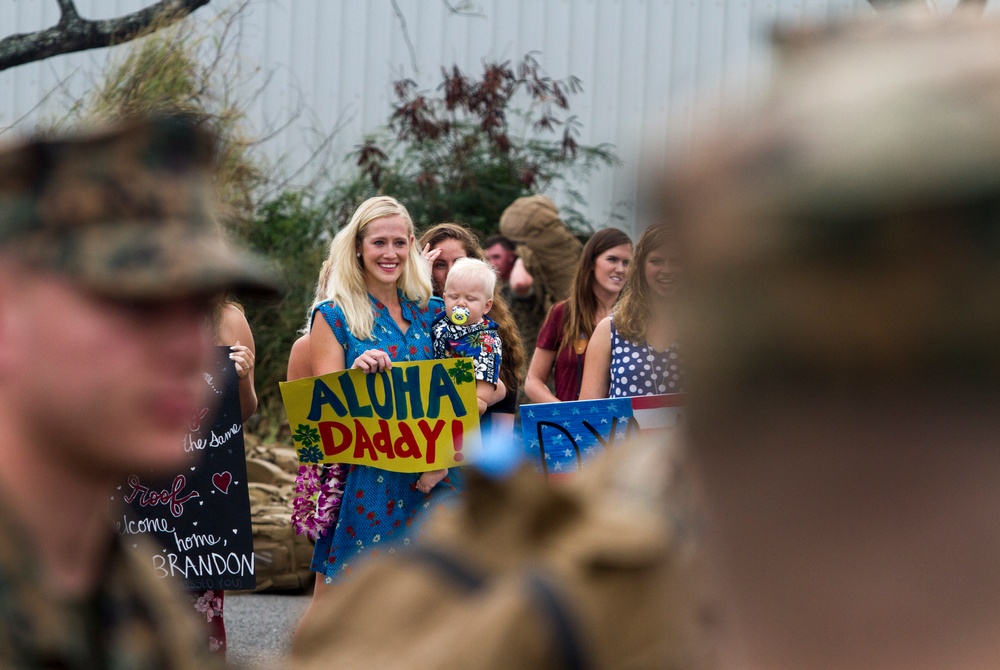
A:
562,341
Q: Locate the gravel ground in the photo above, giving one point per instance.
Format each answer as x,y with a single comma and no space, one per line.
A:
259,627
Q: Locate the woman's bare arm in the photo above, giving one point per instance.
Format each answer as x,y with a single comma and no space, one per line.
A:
326,353
299,365
536,383
234,332
597,367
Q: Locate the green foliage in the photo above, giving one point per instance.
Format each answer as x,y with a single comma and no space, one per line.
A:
294,233
469,150
175,71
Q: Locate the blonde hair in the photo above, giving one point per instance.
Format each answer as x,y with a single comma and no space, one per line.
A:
342,277
474,269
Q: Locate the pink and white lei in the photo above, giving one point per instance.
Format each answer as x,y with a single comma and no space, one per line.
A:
315,509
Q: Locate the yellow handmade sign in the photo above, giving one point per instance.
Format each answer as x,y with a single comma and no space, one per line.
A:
413,417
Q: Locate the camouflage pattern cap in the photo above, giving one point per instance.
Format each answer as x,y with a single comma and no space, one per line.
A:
849,230
128,212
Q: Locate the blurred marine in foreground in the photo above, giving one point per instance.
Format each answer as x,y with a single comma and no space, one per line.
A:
843,321
589,575
110,259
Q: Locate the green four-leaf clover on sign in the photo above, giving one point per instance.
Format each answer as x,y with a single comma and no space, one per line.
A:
462,372
306,434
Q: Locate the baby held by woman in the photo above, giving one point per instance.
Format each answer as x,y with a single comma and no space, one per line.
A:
464,330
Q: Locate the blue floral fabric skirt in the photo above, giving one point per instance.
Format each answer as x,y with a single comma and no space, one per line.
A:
380,512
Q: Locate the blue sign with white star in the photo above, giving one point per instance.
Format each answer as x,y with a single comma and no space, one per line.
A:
560,436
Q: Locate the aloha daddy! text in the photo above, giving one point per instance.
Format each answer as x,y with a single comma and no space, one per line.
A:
413,412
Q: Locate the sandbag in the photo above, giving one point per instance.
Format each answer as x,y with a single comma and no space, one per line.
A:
281,558
266,472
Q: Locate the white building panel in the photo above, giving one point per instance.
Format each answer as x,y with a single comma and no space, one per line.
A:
325,66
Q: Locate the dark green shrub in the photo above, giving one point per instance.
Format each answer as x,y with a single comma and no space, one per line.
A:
294,234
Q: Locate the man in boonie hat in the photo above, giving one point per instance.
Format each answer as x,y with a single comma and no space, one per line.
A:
842,323
547,254
110,261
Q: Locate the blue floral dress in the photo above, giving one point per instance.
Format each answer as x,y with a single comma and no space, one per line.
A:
379,507
638,370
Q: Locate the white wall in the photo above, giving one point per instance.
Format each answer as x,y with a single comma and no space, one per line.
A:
328,64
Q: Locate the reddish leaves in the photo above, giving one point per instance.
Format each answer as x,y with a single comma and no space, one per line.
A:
482,104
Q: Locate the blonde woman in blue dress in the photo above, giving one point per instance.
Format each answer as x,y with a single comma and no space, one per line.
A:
373,307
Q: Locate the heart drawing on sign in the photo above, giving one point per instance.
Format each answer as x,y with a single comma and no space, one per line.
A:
222,480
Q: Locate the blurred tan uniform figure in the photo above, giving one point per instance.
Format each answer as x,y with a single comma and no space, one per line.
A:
110,258
547,256
594,575
842,320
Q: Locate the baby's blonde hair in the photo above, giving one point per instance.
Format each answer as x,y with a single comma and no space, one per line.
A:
473,268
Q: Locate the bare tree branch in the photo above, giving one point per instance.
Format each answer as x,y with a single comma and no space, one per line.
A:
74,33
406,34
464,7
67,11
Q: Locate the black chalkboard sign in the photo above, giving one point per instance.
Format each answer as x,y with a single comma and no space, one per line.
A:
200,515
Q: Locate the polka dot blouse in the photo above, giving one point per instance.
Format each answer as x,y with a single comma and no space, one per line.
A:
638,370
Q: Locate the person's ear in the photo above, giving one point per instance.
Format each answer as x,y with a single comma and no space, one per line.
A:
488,306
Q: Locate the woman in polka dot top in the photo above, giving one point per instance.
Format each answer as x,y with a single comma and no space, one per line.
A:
631,353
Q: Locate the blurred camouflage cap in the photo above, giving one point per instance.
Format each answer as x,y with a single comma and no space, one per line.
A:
128,212
849,230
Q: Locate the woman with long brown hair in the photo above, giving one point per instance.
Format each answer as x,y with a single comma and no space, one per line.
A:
564,337
443,244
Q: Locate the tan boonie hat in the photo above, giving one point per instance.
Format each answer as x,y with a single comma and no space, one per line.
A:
128,212
848,231
546,245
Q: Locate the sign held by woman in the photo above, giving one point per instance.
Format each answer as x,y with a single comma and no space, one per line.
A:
412,417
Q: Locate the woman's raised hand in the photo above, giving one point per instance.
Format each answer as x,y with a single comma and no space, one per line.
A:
430,255
243,357
372,360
